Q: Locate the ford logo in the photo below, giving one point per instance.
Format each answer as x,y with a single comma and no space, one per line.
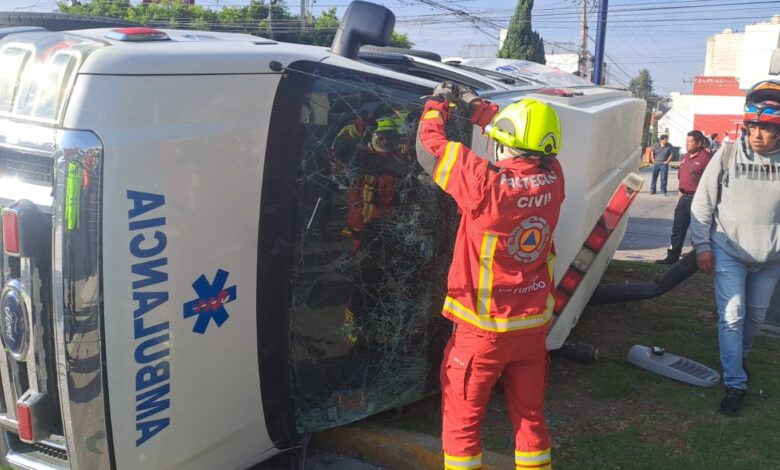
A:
13,320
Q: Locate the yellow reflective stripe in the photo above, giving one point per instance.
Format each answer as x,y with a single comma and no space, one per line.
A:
353,132
485,287
550,302
368,198
550,267
445,165
499,325
469,462
431,114
532,459
546,466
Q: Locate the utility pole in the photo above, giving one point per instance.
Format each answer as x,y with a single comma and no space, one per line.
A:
303,15
271,19
584,45
601,32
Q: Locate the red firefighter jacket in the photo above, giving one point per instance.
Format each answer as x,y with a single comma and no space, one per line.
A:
501,276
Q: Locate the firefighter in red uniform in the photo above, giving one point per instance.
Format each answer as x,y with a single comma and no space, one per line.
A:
500,287
373,196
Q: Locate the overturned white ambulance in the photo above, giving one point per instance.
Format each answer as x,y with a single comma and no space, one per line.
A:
215,243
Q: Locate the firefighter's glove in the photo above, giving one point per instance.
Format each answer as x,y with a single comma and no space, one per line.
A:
469,97
444,91
482,113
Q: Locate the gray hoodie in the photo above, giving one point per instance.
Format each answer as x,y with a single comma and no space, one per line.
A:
742,216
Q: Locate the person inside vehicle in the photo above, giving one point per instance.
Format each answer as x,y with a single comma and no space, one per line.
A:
373,195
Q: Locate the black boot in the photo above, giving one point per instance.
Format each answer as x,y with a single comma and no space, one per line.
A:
732,402
671,258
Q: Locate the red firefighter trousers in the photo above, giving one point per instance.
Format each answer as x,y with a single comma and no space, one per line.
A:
471,366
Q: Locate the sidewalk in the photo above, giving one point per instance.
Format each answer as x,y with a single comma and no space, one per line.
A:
650,222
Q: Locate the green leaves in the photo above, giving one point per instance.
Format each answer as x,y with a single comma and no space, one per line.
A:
269,19
522,42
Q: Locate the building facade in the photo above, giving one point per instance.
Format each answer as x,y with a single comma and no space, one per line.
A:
734,62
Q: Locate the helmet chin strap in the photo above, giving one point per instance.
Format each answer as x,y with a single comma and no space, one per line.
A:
504,152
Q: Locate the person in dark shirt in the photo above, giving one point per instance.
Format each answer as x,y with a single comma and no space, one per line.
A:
662,155
692,165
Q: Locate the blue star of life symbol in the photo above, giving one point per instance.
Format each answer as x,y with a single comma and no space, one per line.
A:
210,304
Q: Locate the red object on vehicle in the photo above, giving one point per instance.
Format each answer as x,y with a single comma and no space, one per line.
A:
558,92
616,208
570,280
137,33
11,232
24,417
597,238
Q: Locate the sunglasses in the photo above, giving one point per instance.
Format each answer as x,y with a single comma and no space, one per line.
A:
754,111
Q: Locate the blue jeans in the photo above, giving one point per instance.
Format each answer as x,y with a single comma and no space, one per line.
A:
664,170
742,294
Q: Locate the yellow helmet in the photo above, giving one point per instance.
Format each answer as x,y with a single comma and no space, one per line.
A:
527,125
389,132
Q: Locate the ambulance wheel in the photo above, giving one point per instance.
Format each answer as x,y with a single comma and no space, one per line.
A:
59,21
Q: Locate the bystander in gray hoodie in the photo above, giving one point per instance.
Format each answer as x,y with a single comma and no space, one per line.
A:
741,215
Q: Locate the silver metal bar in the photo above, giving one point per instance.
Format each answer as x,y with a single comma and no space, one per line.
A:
77,298
35,328
8,390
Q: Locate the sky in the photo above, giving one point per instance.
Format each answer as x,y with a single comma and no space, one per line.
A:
667,37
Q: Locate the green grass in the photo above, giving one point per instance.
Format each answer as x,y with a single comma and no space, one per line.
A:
612,415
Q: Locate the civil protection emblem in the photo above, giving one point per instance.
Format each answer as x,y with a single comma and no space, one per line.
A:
528,240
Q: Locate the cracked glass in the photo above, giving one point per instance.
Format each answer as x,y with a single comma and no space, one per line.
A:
374,240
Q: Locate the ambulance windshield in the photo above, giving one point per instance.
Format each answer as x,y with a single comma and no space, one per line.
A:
37,73
371,232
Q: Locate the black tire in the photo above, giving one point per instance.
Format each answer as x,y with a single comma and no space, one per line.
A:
59,21
400,50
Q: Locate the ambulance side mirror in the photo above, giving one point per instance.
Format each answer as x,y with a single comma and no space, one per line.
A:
363,23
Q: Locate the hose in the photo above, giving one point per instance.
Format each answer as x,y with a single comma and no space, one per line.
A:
628,292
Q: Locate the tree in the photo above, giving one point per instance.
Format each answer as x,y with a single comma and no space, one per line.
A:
641,86
401,40
522,42
271,19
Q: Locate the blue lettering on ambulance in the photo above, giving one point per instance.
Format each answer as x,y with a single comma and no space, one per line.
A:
152,378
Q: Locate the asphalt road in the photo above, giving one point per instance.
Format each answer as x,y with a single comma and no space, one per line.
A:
650,222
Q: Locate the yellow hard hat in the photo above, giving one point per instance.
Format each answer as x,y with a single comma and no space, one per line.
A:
528,125
388,132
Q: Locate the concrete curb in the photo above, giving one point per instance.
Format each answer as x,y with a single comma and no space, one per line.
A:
395,449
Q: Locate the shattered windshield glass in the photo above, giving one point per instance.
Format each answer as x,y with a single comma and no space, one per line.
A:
373,244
